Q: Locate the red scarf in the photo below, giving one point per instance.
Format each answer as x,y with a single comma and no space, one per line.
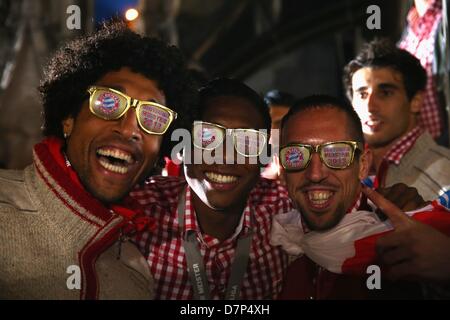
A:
52,157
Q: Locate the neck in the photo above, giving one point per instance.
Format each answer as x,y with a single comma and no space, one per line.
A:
378,154
215,223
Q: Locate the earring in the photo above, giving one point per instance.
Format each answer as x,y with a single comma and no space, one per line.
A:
65,135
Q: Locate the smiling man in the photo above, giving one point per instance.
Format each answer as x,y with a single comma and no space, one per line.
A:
213,235
109,100
386,86
323,159
323,194
110,157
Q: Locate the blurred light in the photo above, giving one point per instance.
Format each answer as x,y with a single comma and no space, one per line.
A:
131,14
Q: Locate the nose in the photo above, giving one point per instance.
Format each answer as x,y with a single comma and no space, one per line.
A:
128,126
229,152
316,170
372,104
220,155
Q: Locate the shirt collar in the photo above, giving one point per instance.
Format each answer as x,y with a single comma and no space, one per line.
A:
191,222
402,146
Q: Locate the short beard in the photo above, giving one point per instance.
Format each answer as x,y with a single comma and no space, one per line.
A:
336,218
107,200
101,196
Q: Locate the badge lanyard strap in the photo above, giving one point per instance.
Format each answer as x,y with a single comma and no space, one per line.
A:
196,266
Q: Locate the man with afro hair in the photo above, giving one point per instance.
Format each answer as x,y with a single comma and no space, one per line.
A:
110,102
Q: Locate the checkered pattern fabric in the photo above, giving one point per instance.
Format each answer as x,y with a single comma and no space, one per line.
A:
395,154
419,41
403,145
165,254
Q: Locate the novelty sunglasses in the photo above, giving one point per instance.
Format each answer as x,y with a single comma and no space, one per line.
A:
111,104
247,142
335,155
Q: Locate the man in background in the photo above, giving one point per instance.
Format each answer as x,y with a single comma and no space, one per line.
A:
386,87
279,103
424,37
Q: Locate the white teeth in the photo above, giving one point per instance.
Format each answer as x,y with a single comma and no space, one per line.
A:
111,167
373,122
121,168
219,178
115,153
319,197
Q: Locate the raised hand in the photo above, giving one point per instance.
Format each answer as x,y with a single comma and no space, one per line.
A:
404,197
413,250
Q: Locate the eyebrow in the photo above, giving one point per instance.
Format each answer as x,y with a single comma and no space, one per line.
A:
122,89
384,86
388,86
360,89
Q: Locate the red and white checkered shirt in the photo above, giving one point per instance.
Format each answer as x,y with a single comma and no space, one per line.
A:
396,153
403,145
165,253
419,41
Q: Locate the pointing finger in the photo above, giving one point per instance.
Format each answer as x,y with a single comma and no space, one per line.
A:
396,216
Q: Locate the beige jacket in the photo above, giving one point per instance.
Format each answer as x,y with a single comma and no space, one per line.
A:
425,167
46,237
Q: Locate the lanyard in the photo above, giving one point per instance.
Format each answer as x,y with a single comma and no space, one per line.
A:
196,266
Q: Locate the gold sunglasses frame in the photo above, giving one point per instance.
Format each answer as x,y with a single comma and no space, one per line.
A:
131,103
318,149
229,132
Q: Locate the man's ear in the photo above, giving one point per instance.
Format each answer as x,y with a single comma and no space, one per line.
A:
365,162
416,102
67,125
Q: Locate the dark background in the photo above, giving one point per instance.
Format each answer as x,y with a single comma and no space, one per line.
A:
293,45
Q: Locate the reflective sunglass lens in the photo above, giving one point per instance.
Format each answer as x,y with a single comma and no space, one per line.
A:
206,136
294,157
108,104
154,119
337,155
249,143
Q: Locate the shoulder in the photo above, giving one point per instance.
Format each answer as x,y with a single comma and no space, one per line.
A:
426,154
13,192
425,167
426,142
434,155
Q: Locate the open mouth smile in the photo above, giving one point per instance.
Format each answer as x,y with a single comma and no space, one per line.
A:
221,181
319,199
373,124
220,178
115,160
